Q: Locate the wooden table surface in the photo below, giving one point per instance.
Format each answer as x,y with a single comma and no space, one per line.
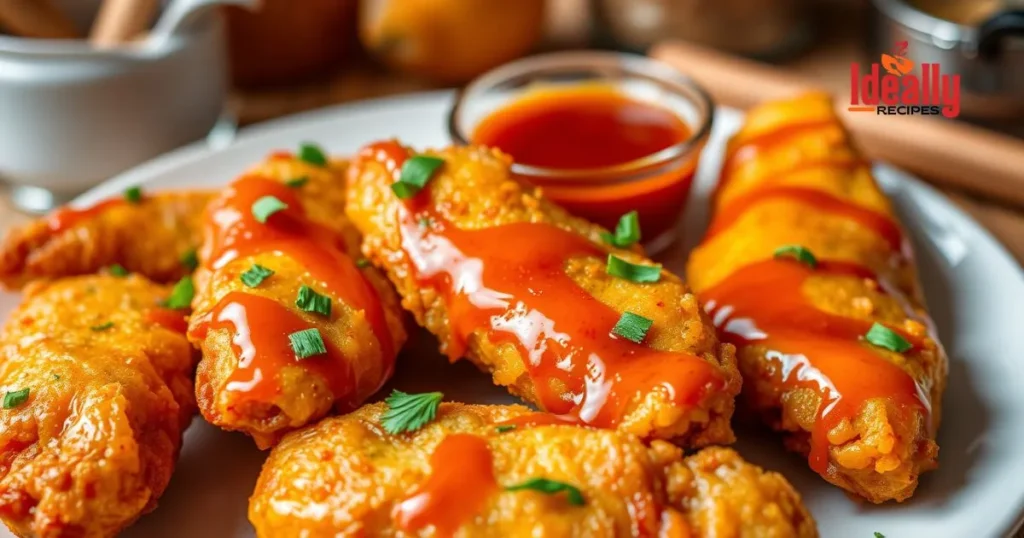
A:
839,44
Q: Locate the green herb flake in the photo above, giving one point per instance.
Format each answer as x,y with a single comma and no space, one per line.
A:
425,222
502,428
190,260
550,487
879,535
266,206
56,377
102,327
409,412
312,154
15,398
255,275
884,337
632,271
307,343
117,270
632,327
362,263
798,253
416,172
310,301
627,231
181,294
133,194
297,182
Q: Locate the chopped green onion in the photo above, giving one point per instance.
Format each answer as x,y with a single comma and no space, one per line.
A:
15,398
884,337
312,154
117,270
799,253
362,262
409,412
56,377
190,260
879,535
502,428
266,206
416,172
133,194
102,326
627,231
632,327
550,487
181,294
307,343
311,301
425,222
632,271
297,182
255,275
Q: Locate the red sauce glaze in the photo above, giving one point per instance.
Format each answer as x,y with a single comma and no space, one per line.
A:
460,481
881,224
596,128
67,217
541,419
764,304
174,320
743,151
509,281
260,329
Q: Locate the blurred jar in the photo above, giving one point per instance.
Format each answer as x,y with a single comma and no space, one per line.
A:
288,40
449,41
764,29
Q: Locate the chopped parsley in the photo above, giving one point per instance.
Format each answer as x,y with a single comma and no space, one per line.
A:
416,172
181,294
15,398
502,428
117,270
312,154
297,182
133,194
798,253
409,412
102,327
190,260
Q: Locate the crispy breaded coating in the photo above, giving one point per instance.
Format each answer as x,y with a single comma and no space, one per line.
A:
251,378
110,392
347,477
865,415
149,237
678,384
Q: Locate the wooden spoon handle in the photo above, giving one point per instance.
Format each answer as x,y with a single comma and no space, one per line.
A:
35,18
944,152
121,20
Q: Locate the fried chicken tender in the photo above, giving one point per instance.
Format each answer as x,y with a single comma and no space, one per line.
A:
347,477
252,376
149,237
520,287
865,414
108,375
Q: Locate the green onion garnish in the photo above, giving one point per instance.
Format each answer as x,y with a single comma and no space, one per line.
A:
312,154
409,412
505,428
117,270
255,275
632,271
307,343
884,337
181,294
416,172
627,231
133,194
632,327
102,327
297,182
15,398
190,260
362,262
550,487
799,253
266,206
310,301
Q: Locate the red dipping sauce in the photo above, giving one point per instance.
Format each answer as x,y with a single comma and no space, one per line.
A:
600,153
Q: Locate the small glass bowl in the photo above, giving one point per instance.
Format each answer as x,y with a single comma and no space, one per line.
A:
656,185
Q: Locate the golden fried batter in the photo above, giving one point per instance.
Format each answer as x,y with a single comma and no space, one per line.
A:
521,288
251,378
110,392
347,477
866,416
149,238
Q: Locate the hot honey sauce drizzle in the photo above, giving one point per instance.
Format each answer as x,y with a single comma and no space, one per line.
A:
173,320
510,282
460,481
67,217
764,304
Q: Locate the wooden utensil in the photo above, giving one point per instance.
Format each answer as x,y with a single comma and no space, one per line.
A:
122,20
35,18
944,152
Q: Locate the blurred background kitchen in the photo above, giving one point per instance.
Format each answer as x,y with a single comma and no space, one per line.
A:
89,88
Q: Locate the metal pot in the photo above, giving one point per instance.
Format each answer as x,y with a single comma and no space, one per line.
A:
988,54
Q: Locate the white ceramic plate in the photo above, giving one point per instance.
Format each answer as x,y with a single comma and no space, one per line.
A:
975,290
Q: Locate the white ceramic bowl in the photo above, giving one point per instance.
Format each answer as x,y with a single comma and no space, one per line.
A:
72,116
